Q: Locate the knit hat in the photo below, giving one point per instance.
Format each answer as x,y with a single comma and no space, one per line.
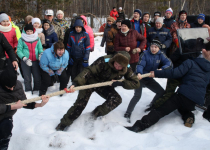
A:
28,19
60,12
170,11
29,27
36,20
157,13
120,8
156,42
182,12
110,19
114,7
8,77
138,11
74,14
119,20
201,16
4,17
127,23
49,12
160,20
46,21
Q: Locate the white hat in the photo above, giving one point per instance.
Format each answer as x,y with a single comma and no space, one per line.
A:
120,8
169,10
36,20
60,12
160,20
49,12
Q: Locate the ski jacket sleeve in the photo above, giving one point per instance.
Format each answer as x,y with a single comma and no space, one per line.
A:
141,64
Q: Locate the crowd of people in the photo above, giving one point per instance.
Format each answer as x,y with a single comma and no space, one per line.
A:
50,51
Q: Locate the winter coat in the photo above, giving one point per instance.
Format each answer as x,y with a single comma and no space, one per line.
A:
177,25
111,38
114,14
121,15
5,47
17,30
58,30
195,78
66,37
163,34
79,43
102,70
10,36
104,39
50,36
29,50
10,97
151,62
50,62
89,30
42,38
122,41
147,25
63,23
168,22
196,25
143,29
102,28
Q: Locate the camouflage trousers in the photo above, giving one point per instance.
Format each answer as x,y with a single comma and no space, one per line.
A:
171,86
112,98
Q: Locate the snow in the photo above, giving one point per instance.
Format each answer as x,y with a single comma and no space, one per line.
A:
35,129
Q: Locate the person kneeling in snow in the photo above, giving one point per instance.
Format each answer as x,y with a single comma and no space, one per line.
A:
11,90
195,78
106,68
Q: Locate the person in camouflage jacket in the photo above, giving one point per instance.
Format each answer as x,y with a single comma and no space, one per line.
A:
106,68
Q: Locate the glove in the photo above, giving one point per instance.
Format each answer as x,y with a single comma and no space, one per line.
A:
27,61
176,42
134,51
71,61
117,83
85,63
45,46
206,113
163,46
40,55
51,72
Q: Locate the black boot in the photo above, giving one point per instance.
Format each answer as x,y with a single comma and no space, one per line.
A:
61,127
206,114
136,127
127,116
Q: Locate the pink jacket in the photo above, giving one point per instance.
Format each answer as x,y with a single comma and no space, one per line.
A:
90,33
11,38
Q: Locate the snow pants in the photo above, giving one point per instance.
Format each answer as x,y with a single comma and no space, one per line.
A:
6,126
150,84
177,101
112,98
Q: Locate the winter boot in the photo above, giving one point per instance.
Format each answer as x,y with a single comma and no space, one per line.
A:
206,113
136,127
61,127
189,122
127,116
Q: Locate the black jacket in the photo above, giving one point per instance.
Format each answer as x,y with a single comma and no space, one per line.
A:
5,47
10,97
121,15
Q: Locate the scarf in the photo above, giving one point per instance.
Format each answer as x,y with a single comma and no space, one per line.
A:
29,38
126,32
39,30
6,29
49,31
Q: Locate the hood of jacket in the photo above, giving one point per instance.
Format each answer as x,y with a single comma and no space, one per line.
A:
78,22
85,19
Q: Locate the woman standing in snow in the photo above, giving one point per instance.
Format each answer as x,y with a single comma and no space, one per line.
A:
36,22
28,50
61,21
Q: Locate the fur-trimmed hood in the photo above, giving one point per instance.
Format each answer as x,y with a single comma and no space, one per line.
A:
122,58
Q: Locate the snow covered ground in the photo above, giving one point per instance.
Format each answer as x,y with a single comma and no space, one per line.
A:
35,129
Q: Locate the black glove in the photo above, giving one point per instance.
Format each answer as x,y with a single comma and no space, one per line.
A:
117,83
45,46
206,113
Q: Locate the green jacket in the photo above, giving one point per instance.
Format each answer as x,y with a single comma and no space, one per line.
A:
102,70
29,50
17,30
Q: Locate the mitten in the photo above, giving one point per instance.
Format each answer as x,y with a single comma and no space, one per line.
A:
163,46
27,61
117,83
85,63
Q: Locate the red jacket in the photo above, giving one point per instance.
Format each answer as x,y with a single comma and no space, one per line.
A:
90,33
11,38
102,28
122,41
114,14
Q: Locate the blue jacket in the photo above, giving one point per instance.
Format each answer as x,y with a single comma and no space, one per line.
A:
168,22
50,62
163,34
150,62
50,39
78,44
195,78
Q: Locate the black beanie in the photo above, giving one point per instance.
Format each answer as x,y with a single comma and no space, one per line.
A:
127,23
46,21
182,12
156,42
114,7
8,78
157,13
29,27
